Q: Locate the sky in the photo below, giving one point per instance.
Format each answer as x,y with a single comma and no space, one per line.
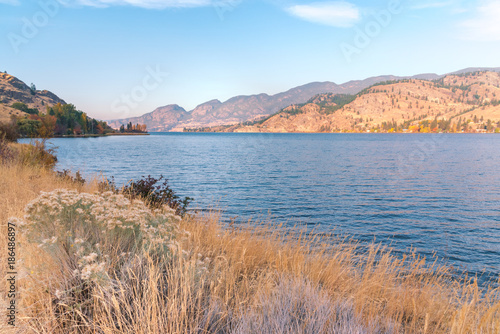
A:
122,58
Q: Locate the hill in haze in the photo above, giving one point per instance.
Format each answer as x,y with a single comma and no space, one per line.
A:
244,108
468,102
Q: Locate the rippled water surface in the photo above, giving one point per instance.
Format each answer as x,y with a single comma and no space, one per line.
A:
436,193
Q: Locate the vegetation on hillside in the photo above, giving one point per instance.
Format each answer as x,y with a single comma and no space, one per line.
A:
455,103
330,103
24,108
58,120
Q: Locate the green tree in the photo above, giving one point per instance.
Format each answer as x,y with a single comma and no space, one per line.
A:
29,127
489,126
434,125
24,108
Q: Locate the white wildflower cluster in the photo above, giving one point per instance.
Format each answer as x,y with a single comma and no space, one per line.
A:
90,267
83,223
60,294
44,242
52,205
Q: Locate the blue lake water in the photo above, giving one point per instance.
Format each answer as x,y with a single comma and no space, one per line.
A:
437,193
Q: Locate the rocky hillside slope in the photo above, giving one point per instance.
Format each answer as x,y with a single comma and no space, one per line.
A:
14,90
454,103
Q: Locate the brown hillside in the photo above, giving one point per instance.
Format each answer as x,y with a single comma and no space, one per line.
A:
408,105
7,112
14,90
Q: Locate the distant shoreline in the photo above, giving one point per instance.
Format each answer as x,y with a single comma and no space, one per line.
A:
101,135
340,132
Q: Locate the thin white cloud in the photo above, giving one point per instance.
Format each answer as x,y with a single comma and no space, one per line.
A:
336,14
151,4
485,23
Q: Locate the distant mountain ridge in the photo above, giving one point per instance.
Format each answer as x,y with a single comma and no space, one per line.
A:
461,102
244,107
252,107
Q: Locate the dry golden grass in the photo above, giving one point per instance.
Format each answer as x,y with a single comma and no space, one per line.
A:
388,293
19,184
238,280
36,154
7,112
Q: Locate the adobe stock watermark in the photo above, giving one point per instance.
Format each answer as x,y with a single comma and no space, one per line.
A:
223,6
371,30
150,82
31,26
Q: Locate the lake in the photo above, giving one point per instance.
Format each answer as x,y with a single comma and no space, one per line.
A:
433,192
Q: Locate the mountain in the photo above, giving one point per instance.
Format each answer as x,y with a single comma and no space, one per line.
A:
453,103
14,90
244,108
162,119
475,69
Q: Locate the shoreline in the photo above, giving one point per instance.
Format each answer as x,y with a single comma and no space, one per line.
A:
94,135
340,132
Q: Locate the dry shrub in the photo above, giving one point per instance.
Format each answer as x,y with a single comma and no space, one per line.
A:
93,236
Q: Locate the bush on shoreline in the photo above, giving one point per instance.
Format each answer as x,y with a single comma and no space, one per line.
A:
152,191
96,237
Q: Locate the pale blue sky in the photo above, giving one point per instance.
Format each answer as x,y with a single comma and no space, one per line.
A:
121,58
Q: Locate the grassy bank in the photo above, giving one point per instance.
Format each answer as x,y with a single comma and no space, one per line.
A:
91,262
